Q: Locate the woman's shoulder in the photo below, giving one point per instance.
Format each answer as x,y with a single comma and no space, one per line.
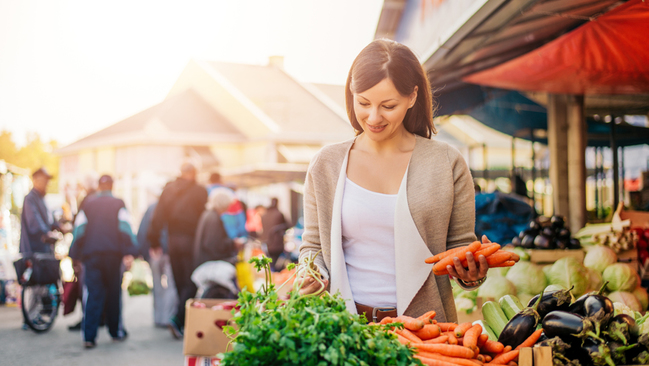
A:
435,147
332,152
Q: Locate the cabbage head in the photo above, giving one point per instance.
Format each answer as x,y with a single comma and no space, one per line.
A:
599,257
495,288
569,272
621,308
620,277
627,299
551,288
527,277
643,297
594,280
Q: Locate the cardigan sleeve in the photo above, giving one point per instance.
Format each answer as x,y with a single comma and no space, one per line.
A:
311,243
461,229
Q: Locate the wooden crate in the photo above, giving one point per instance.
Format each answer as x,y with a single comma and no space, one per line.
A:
549,256
638,218
538,356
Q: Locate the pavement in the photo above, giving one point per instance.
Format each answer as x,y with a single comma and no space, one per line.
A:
145,345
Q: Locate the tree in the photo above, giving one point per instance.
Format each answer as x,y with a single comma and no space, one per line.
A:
35,154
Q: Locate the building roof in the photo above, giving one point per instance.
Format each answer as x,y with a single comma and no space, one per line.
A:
184,119
300,110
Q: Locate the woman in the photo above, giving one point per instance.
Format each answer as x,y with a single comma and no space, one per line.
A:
377,205
212,242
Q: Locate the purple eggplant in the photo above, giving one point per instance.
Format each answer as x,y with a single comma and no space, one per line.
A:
574,244
553,300
621,329
567,326
598,351
521,326
620,351
595,307
528,241
543,241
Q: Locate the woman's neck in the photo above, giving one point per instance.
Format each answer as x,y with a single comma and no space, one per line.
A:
401,142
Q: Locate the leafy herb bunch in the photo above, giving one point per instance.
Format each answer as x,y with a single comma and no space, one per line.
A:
307,330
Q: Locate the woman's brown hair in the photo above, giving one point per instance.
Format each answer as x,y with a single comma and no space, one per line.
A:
383,59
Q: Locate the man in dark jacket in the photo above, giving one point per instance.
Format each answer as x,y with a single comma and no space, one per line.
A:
102,240
36,222
273,225
181,204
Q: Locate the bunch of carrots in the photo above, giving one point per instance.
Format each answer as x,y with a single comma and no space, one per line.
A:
446,344
492,252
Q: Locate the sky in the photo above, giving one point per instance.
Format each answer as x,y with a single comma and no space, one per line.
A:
71,68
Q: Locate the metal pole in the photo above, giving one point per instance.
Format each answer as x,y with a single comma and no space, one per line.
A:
616,183
596,179
533,169
622,169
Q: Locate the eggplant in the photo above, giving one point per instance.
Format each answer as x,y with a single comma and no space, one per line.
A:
598,351
595,307
642,358
549,232
561,243
528,241
578,356
516,241
553,300
574,244
543,241
557,222
534,225
567,326
620,329
556,343
563,234
520,327
620,351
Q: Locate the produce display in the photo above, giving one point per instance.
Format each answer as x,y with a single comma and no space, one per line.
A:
546,233
617,236
591,330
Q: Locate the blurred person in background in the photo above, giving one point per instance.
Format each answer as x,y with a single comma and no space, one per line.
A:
234,218
37,224
165,298
274,226
212,242
103,240
181,204
253,222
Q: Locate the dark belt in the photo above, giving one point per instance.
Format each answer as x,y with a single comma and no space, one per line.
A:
376,314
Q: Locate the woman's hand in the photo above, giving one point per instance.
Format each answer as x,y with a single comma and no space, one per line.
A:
310,285
477,269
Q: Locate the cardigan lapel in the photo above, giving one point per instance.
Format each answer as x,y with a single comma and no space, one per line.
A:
410,251
339,278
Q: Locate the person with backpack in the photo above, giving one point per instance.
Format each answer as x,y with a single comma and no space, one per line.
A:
181,204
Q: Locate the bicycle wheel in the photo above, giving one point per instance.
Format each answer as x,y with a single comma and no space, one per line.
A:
40,305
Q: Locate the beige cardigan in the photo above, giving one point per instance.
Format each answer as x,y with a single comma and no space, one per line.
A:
435,211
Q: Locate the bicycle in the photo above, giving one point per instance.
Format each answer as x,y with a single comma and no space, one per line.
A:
40,277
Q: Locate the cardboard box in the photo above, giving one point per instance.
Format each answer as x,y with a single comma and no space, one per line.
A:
549,256
204,328
202,361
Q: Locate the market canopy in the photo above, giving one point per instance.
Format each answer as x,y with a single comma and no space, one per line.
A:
607,55
514,114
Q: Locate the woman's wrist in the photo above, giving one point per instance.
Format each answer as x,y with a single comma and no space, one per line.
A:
475,283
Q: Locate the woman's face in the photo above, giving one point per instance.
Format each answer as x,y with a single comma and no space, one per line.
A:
380,110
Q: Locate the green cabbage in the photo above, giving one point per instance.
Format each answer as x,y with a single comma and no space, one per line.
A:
594,280
599,257
568,272
621,308
527,277
643,297
525,298
627,299
551,288
495,288
620,277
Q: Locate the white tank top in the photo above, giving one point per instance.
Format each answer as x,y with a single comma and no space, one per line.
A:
368,243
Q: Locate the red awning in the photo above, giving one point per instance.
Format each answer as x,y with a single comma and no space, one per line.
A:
608,55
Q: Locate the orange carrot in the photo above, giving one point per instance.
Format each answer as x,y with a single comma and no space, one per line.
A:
448,261
471,336
462,328
447,326
507,349
436,258
433,362
453,360
427,317
503,264
505,358
482,339
451,338
408,335
387,320
493,347
403,340
487,251
440,339
409,323
445,349
429,331
531,340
